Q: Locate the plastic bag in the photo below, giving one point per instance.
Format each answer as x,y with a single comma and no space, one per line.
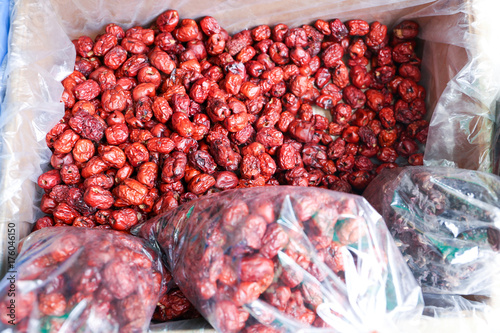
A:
70,279
446,222
289,258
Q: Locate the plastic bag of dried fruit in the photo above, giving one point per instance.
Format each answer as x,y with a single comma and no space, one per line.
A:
286,259
71,279
446,223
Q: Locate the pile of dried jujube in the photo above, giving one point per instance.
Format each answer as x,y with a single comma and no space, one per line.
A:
158,116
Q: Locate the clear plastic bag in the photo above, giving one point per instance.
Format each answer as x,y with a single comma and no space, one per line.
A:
71,279
446,222
288,258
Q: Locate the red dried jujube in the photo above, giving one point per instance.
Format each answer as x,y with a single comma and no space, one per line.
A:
183,109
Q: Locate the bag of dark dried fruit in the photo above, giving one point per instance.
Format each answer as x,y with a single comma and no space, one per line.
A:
446,223
286,259
69,279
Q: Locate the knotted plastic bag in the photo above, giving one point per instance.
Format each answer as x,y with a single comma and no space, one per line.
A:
446,223
284,259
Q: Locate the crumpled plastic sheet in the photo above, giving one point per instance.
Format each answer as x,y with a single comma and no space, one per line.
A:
286,258
4,33
4,27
